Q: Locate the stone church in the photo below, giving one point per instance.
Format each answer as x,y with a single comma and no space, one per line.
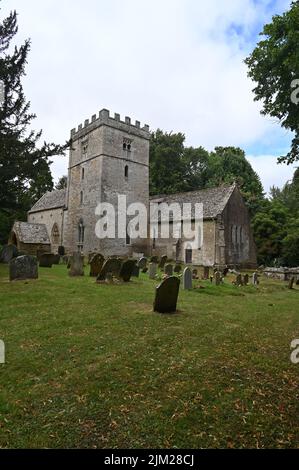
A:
109,157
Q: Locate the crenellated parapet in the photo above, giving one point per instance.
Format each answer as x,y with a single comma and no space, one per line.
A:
104,118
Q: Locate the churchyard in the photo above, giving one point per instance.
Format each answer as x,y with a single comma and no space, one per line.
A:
90,364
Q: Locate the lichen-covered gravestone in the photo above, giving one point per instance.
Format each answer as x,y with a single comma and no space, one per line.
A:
126,270
56,259
154,259
142,263
163,261
255,279
96,263
111,266
246,280
23,267
168,269
152,270
239,281
7,253
187,279
177,269
77,265
167,295
46,260
217,276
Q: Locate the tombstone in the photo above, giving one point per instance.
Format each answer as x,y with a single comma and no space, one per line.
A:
46,260
167,295
246,280
291,282
195,274
218,278
163,261
206,273
96,263
187,279
61,250
8,252
126,270
177,269
154,259
239,281
142,263
76,265
23,267
65,259
112,266
56,259
225,272
255,279
168,269
152,270
135,272
211,279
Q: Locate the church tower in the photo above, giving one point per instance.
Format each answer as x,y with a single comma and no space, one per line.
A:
108,157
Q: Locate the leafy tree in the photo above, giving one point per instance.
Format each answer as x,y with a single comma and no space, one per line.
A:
274,65
290,246
62,183
24,167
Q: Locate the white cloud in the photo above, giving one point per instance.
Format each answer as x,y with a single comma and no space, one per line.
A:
271,173
174,64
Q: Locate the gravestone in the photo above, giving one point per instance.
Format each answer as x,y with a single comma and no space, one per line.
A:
76,265
61,250
291,282
23,267
154,259
239,281
135,272
46,260
206,273
168,269
225,272
96,263
163,261
142,263
246,280
65,259
126,270
152,270
217,276
177,269
187,279
8,252
195,274
255,279
167,295
56,259
112,266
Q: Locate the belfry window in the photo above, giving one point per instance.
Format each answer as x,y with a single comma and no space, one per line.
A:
126,171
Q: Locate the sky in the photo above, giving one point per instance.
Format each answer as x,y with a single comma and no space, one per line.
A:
177,65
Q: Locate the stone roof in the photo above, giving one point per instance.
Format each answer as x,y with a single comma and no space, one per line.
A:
31,233
50,200
214,200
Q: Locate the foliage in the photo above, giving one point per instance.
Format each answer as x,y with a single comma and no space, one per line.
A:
62,183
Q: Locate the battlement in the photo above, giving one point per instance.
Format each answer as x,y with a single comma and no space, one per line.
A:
104,118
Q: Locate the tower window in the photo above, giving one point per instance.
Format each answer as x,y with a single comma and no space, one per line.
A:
81,230
83,174
84,147
124,146
81,197
127,144
126,171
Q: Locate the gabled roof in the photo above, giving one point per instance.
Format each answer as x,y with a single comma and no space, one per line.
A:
50,200
31,233
214,200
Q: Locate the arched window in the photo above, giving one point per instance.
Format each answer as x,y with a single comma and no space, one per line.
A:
81,197
81,230
82,174
126,171
55,234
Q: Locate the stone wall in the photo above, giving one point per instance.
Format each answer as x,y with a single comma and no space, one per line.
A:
50,218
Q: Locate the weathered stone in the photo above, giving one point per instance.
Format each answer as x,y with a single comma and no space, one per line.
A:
152,270
225,272
255,279
142,263
206,272
46,260
177,269
246,280
168,269
77,265
239,281
23,267
135,272
291,282
8,252
56,259
126,270
187,279
154,259
163,261
195,274
61,250
167,295
218,278
96,264
112,266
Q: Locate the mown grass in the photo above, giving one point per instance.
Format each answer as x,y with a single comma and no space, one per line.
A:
91,365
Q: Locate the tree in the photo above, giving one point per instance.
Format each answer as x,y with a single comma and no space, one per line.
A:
274,66
24,167
62,183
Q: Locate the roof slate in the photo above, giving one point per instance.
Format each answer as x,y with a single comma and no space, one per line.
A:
50,200
31,233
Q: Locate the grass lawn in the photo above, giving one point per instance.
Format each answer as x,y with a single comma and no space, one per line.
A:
91,365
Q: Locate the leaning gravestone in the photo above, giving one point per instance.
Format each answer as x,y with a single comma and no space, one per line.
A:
291,282
217,278
152,270
177,269
163,261
142,263
126,271
187,279
167,295
46,260
8,252
96,263
111,266
23,267
246,280
168,269
206,273
135,272
77,265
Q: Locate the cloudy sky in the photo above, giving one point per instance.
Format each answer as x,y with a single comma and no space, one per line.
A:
174,64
